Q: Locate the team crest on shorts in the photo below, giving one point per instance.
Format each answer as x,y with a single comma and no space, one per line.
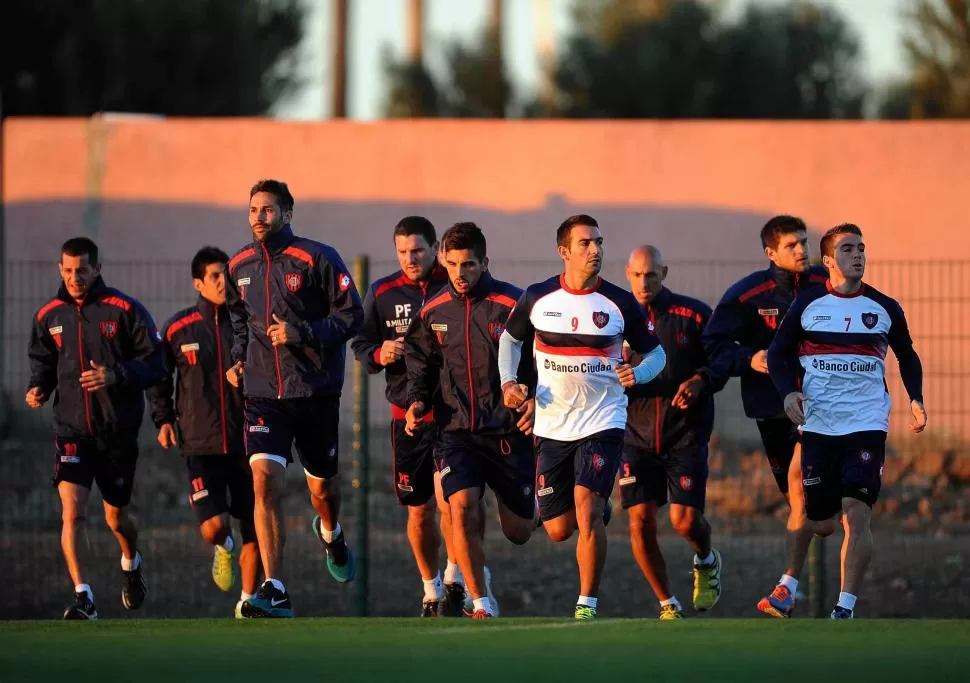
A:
293,281
865,456
109,328
600,318
870,320
686,483
681,340
599,462
496,330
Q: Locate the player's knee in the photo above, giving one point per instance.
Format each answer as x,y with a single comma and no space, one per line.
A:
267,485
559,530
683,519
643,523
519,534
825,527
114,518
71,516
856,513
214,530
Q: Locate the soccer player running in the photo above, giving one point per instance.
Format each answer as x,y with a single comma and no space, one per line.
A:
391,304
578,322
208,412
835,338
451,350
669,422
293,307
736,341
95,350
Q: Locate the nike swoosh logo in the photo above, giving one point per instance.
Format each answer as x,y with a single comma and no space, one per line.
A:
275,603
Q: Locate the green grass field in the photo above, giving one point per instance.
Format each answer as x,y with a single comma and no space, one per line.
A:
500,651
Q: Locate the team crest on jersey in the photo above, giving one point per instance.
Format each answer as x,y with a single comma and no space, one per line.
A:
600,318
293,281
344,282
109,328
870,320
496,330
686,483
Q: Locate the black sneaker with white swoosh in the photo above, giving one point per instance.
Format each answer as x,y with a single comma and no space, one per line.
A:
269,602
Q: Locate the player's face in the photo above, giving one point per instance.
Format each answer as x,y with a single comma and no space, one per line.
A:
464,269
850,257
78,275
213,284
791,254
646,277
265,215
415,255
585,252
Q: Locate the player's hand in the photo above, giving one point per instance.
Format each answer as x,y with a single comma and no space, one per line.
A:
234,374
282,332
97,378
392,351
35,398
166,435
795,407
759,362
629,355
514,395
412,419
688,392
527,416
919,417
624,371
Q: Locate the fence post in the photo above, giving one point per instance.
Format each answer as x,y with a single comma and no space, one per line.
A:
816,577
361,450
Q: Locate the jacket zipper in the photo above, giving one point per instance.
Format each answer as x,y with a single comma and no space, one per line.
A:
656,426
80,350
468,352
276,353
222,379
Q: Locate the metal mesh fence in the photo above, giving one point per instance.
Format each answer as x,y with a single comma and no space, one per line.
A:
920,522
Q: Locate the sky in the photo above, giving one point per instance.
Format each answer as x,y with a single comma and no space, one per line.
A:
378,26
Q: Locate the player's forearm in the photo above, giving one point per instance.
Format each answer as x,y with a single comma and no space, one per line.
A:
911,372
651,365
509,356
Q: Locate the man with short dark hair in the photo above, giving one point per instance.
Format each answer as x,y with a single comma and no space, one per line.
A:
95,350
293,307
206,421
451,349
736,341
392,302
834,341
578,322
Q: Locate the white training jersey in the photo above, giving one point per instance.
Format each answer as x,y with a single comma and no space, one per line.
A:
840,341
578,338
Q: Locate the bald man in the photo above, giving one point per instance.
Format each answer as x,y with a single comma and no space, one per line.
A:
669,423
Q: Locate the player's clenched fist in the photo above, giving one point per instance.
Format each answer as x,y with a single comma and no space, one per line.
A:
166,435
412,419
795,407
624,371
234,374
35,398
514,395
392,351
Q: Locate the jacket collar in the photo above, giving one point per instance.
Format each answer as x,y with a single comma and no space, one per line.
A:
481,289
784,279
208,309
276,242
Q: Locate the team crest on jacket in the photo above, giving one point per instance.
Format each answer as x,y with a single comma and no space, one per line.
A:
870,319
600,318
109,328
293,281
344,282
496,329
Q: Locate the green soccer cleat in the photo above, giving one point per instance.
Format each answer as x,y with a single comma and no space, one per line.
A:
584,613
223,568
671,613
707,583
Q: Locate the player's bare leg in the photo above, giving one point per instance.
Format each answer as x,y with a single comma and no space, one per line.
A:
466,511
269,478
693,527
74,544
422,532
325,498
561,528
649,557
590,548
856,553
133,588
691,524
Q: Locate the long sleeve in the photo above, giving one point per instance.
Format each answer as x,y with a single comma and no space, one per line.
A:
367,344
43,359
910,366
346,316
721,338
147,366
160,396
422,354
239,317
713,374
783,351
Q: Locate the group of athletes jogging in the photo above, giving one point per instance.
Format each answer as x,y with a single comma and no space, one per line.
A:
546,396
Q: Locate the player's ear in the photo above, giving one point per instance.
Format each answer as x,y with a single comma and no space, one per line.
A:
663,274
563,252
198,284
485,263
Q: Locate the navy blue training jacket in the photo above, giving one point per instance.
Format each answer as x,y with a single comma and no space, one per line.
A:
306,284
207,411
745,322
653,424
111,329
